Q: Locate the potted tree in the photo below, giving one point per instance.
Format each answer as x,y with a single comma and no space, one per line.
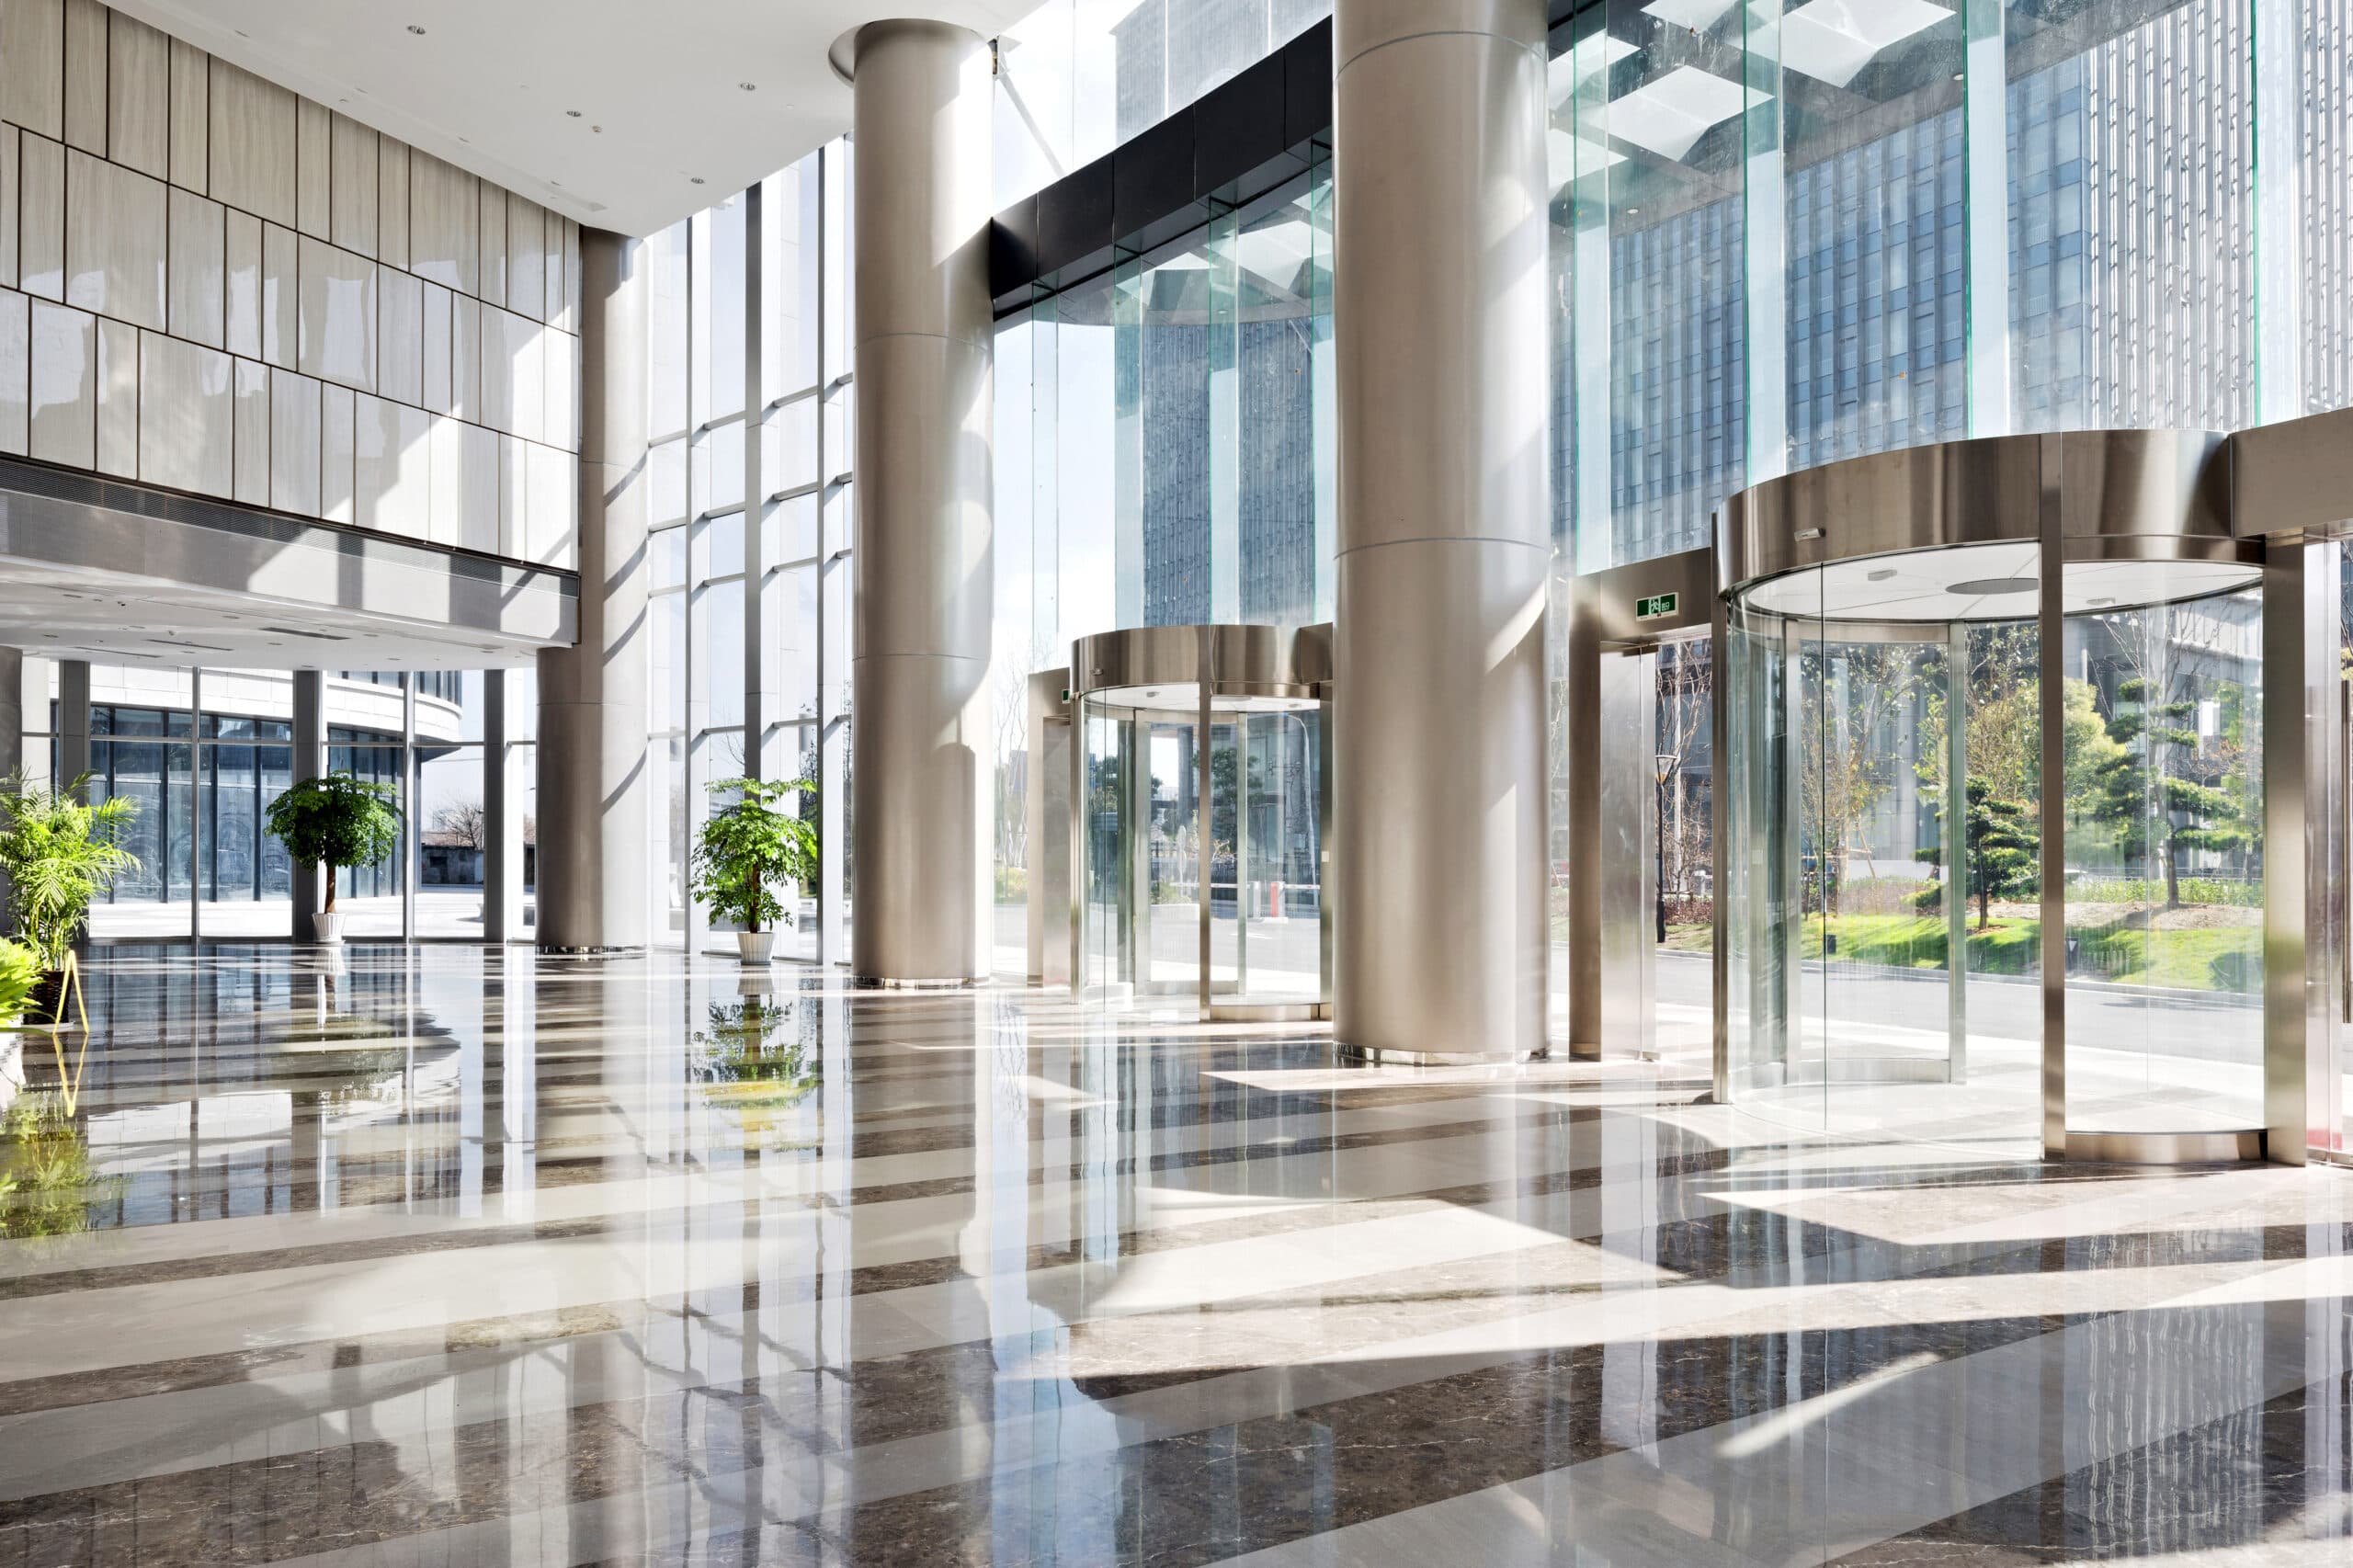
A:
58,851
335,820
749,846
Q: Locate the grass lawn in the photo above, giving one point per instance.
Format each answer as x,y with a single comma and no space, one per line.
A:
2215,959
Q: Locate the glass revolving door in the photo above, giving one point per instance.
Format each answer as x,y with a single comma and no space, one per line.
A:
1993,781
1200,842
1883,738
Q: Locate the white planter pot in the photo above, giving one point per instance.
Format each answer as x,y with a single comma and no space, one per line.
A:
326,928
755,946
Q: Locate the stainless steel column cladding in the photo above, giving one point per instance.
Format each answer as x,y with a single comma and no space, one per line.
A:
921,786
1445,505
594,786
308,885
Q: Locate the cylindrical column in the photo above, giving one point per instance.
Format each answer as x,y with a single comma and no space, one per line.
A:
921,778
306,886
592,767
12,710
1445,489
73,722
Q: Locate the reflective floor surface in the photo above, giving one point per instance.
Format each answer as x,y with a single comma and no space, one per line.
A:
430,1256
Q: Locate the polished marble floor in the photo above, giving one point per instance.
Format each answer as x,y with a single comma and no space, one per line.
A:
433,1256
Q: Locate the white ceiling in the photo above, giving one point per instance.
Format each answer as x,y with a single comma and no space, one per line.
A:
487,85
61,612
1983,582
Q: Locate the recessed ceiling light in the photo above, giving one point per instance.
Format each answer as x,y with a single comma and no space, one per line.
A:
417,30
572,112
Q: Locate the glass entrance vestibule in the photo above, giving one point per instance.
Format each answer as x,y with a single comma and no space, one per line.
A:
1998,856
1197,877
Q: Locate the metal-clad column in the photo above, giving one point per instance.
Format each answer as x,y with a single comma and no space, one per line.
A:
2300,700
309,761
760,672
412,829
195,806
502,798
12,712
923,579
1443,331
2050,631
73,721
593,796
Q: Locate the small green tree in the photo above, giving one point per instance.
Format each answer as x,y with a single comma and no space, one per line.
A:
1998,850
338,819
2145,792
59,852
750,845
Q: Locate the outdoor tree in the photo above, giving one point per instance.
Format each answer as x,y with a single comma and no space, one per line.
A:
1848,764
1999,845
2159,795
2003,741
1686,689
465,822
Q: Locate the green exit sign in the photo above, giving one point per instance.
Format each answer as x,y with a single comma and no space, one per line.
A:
1656,606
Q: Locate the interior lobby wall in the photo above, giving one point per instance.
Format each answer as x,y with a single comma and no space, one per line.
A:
210,284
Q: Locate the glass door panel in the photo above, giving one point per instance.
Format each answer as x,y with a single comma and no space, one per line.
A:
1883,936
1281,856
1172,936
1105,950
2164,891
1229,860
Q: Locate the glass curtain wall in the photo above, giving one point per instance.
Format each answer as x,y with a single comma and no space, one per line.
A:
1789,233
1164,457
204,781
1786,233
750,470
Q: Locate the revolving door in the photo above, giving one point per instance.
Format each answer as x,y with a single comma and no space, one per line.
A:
1203,793
1991,799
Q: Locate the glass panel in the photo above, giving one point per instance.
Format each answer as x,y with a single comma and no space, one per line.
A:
2131,263
719,671
1171,959
1763,927
1875,299
673,843
1105,960
720,336
1883,933
369,897
450,842
2164,894
1228,919
1683,749
667,700
1654,109
1279,864
1279,323
667,252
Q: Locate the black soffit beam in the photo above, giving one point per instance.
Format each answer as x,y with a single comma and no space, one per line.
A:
1228,147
